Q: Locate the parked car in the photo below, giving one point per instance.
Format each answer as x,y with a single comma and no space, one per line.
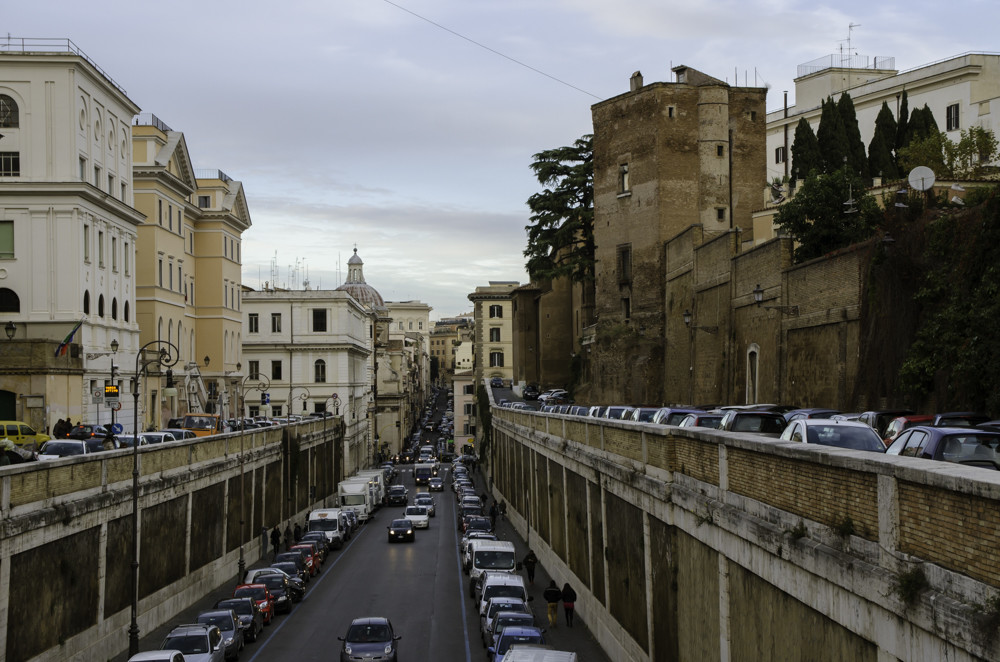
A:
530,392
22,433
749,420
229,625
897,425
249,614
158,656
283,591
880,418
644,414
827,432
57,448
369,639
299,559
674,415
158,437
180,434
260,595
514,635
702,420
292,569
308,552
500,605
970,446
199,642
959,419
810,412
401,529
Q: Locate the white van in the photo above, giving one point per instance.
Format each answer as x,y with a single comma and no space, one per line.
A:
499,584
489,555
332,522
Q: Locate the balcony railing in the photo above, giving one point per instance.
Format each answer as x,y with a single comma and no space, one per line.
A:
16,45
149,119
212,173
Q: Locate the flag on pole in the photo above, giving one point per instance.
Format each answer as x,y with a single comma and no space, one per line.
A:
61,349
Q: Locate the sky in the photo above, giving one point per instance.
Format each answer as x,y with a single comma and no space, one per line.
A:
406,128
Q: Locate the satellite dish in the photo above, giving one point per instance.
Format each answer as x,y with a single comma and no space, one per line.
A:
921,178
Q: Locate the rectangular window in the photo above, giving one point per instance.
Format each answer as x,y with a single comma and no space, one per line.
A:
83,169
625,264
400,326
467,409
420,326
180,277
495,335
111,184
100,248
624,186
160,273
10,164
97,176
275,369
275,322
86,243
191,242
237,252
128,260
254,368
626,307
253,323
670,112
319,368
496,359
779,154
170,276
319,320
124,192
411,325
720,214
159,211
951,117
720,150
6,239
496,311
170,217
114,253
468,390
204,201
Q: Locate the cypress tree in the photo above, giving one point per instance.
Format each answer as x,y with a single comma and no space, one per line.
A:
901,123
881,160
832,137
856,158
805,151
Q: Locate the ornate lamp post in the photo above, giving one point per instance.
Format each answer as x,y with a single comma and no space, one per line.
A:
263,383
166,357
304,397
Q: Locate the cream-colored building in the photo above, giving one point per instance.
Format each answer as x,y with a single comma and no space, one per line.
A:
68,232
189,280
310,351
961,91
494,331
464,394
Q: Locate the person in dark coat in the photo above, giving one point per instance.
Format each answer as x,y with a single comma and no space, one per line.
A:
529,562
569,602
288,537
298,532
552,596
276,540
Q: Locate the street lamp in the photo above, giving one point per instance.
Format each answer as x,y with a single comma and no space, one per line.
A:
758,298
262,387
692,328
164,358
304,397
10,329
335,401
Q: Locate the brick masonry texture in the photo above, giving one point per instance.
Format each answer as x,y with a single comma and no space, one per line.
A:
697,459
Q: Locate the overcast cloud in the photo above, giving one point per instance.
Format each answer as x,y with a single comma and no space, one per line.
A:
354,122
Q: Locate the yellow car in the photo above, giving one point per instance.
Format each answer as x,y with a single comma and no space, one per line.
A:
21,433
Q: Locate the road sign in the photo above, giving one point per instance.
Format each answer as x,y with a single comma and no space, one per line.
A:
117,406
117,428
97,396
265,398
111,394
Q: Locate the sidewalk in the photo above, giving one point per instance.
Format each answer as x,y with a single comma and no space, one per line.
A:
577,638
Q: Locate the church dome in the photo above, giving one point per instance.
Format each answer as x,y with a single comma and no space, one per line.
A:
356,286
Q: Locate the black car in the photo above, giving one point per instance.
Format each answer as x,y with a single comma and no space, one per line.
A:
401,529
530,392
283,591
369,639
291,569
398,495
319,538
251,618
298,558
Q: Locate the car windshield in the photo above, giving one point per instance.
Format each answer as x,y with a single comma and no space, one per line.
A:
400,523
507,641
187,644
255,593
503,591
856,438
329,524
369,633
272,581
520,619
220,621
62,448
491,560
416,510
241,607
759,423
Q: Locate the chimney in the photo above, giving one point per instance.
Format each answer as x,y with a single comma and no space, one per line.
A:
635,82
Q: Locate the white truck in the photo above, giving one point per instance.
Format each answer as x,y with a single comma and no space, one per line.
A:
356,494
331,521
377,478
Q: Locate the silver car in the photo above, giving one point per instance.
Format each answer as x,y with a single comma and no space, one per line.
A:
199,642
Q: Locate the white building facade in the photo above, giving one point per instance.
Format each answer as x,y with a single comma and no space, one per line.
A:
962,92
67,234
312,350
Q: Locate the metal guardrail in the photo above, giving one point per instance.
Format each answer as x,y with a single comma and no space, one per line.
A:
212,173
16,45
840,61
149,119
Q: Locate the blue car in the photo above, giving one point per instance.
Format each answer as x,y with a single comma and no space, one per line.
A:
515,635
369,639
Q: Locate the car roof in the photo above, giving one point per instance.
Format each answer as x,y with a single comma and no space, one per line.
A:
190,628
811,422
370,620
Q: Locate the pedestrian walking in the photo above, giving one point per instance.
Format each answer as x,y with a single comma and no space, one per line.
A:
569,602
529,562
552,596
276,541
503,509
288,537
298,532
494,511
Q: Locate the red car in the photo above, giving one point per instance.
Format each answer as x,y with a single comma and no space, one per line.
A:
901,423
260,595
308,551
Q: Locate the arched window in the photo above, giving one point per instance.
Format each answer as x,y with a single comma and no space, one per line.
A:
114,308
159,329
100,306
86,302
180,337
170,331
9,301
9,116
753,359
126,311
320,370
